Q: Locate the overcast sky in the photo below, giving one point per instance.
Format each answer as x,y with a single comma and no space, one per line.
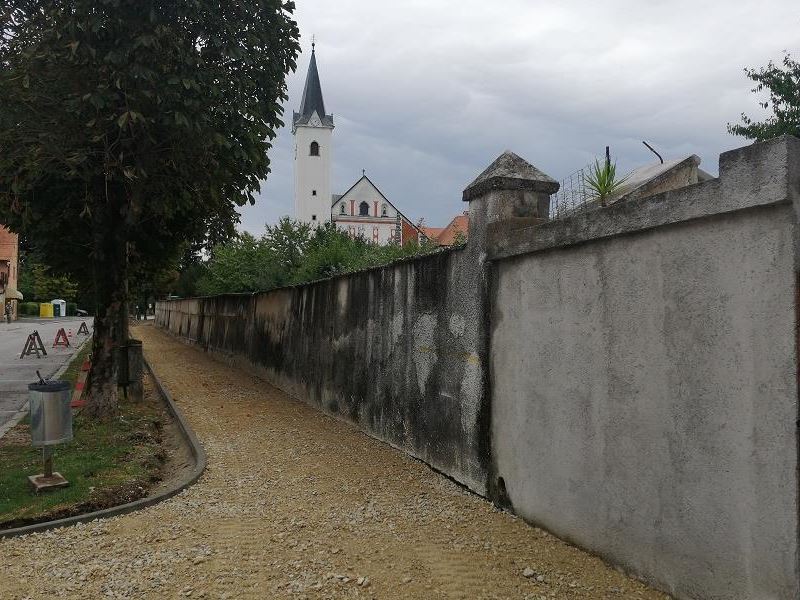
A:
425,94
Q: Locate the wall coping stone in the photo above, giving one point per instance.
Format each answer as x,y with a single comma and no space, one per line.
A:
761,174
510,172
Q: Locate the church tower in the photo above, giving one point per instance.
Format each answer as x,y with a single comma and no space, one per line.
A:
313,130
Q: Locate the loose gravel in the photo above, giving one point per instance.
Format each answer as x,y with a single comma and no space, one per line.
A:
295,504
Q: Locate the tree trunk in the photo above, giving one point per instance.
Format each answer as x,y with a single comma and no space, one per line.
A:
110,263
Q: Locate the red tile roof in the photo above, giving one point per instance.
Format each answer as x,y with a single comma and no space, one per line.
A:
459,224
432,232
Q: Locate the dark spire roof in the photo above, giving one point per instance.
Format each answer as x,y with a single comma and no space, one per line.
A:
312,97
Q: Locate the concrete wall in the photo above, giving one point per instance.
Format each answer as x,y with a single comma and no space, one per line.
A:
394,349
644,398
626,378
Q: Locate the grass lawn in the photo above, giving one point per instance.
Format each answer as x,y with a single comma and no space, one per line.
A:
106,463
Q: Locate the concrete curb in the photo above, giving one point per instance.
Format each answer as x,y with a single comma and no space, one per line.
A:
200,465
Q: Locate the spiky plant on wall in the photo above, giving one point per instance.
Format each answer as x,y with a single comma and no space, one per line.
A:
602,180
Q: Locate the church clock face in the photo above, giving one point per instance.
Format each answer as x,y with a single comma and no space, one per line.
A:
314,122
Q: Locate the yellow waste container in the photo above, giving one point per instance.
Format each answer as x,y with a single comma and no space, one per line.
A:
46,310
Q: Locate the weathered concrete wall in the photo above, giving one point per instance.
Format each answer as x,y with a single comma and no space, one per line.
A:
644,398
626,378
397,350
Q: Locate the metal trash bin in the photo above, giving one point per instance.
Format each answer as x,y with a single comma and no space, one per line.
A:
51,415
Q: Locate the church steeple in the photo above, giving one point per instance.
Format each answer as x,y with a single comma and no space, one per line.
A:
313,149
312,98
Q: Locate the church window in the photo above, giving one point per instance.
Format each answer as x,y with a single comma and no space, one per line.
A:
313,192
313,217
383,211
314,149
341,209
363,209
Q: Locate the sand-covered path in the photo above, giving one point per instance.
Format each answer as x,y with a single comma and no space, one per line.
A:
295,504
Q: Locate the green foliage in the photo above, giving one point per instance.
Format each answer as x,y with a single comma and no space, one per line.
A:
243,264
291,253
332,252
29,309
783,85
72,309
459,239
129,129
36,283
602,180
146,124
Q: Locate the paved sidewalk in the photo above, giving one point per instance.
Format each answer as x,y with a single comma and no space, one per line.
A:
16,373
295,504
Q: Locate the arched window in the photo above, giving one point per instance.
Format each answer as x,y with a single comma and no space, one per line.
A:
314,149
341,209
363,209
383,211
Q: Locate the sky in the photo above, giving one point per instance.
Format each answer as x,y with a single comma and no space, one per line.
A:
426,94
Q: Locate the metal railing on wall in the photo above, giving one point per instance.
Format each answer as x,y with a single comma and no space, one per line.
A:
573,196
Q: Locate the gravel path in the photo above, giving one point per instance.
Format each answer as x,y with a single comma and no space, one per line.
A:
295,504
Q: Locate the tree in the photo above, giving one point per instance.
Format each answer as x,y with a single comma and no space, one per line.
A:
141,125
783,84
245,264
36,283
292,252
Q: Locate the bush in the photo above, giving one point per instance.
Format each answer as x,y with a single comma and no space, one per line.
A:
72,309
29,309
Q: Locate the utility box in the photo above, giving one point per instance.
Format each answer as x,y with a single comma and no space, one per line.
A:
51,416
46,310
59,307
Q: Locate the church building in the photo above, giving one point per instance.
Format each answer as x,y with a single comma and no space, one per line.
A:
362,211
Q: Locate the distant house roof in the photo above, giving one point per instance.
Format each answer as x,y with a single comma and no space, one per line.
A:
432,232
312,98
448,235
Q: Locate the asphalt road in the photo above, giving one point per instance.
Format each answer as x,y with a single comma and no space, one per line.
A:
16,373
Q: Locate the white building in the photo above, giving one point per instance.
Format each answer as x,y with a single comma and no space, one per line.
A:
362,210
313,130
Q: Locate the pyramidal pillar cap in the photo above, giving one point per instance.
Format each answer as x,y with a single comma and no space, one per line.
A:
510,172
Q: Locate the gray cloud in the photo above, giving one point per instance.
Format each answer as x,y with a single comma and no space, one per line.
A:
426,94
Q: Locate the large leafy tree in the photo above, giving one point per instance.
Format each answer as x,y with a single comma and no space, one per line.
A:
131,128
782,82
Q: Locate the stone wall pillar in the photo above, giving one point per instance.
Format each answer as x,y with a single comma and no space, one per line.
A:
511,193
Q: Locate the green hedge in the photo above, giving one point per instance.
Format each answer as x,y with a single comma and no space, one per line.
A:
29,309
72,309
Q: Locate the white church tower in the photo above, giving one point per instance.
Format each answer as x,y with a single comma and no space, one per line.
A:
313,130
